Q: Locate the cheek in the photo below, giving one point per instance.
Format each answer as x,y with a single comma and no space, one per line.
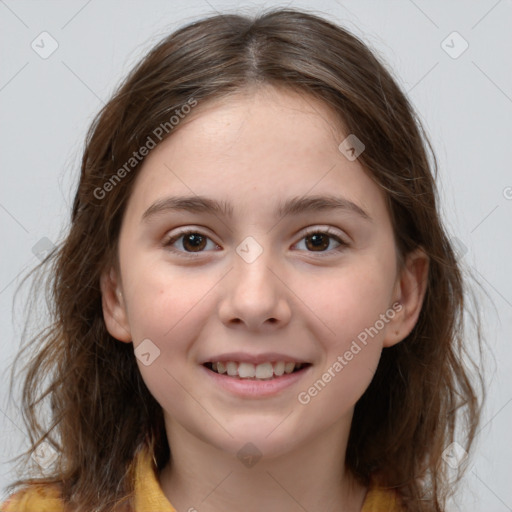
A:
352,300
353,309
168,382
333,392
161,300
165,308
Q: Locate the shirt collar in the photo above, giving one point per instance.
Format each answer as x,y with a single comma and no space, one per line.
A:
149,496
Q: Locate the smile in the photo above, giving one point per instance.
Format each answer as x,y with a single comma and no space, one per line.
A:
255,381
263,371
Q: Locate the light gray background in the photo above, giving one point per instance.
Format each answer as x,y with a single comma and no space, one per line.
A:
466,104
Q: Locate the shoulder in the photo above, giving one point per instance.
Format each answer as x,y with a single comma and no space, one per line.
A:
34,498
380,499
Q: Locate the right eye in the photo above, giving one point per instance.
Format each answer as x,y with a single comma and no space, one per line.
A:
192,242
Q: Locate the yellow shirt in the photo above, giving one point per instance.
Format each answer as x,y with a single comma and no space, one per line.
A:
149,496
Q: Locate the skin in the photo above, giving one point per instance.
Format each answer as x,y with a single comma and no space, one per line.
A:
252,150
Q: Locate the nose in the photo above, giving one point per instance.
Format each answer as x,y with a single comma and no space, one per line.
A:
255,295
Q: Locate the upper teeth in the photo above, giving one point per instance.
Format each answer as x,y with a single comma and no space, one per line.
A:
249,370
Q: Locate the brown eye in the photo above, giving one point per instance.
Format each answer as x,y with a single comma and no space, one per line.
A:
194,242
318,242
321,240
188,242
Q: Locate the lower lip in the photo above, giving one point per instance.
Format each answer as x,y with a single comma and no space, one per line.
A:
248,388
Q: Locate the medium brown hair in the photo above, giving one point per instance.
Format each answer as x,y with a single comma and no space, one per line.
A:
422,387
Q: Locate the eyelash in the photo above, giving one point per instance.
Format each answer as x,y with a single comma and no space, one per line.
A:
315,231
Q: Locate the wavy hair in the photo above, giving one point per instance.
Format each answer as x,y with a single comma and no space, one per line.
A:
423,387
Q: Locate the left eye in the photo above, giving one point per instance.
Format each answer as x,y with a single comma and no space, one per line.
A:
194,242
319,241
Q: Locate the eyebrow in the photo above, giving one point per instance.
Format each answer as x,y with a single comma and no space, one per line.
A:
290,207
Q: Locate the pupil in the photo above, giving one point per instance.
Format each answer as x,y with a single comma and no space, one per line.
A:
318,241
196,240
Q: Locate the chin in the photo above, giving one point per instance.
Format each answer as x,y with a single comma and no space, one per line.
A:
259,442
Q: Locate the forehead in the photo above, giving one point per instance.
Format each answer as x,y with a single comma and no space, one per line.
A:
253,148
266,111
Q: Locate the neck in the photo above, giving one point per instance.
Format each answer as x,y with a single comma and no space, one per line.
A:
310,477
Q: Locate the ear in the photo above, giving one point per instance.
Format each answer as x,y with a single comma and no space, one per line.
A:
409,294
114,308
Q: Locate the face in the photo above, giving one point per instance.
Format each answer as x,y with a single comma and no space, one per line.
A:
273,274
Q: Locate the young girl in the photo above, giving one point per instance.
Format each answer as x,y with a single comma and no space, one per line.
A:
256,305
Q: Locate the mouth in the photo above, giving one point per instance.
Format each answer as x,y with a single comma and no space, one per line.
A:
261,372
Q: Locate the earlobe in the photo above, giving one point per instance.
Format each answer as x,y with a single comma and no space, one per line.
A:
410,292
114,309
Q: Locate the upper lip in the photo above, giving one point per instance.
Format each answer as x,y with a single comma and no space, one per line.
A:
243,357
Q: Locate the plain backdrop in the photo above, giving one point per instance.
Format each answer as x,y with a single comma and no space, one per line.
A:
461,85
